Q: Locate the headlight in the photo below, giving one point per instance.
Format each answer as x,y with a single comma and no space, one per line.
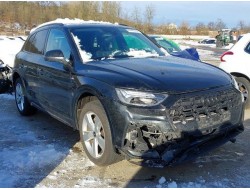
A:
140,98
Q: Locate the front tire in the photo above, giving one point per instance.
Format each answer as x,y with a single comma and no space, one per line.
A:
96,135
244,86
22,102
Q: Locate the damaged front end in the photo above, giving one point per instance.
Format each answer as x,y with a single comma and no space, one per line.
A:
5,82
182,127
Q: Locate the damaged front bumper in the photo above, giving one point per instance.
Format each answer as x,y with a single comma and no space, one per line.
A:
171,157
181,127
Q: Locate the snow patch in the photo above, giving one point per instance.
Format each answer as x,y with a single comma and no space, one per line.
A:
141,53
28,158
90,181
7,96
9,49
68,21
172,184
162,180
86,57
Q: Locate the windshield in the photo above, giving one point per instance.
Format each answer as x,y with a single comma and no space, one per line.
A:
96,43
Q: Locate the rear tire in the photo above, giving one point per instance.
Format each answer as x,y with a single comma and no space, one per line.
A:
96,135
22,102
244,86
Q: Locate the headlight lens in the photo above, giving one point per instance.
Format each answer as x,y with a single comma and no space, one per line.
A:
139,98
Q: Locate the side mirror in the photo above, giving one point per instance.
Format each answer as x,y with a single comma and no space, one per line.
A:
55,56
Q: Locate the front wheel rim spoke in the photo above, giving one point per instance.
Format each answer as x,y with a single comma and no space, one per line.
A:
101,142
88,135
98,124
90,122
95,148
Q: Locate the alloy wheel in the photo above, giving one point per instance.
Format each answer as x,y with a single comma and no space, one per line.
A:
93,134
19,97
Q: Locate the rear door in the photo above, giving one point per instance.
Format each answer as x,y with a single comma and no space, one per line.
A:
56,82
29,60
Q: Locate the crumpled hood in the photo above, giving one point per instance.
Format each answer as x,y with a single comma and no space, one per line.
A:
161,74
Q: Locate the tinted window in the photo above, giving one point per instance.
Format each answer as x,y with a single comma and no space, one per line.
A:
27,45
36,42
247,49
58,41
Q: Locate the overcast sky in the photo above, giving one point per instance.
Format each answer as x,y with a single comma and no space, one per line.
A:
231,12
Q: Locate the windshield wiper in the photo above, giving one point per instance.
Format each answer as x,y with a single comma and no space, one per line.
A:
100,58
122,56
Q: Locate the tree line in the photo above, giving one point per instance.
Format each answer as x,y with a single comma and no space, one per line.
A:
21,15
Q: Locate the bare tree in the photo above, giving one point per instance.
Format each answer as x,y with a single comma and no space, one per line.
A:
149,15
184,28
211,26
201,29
220,24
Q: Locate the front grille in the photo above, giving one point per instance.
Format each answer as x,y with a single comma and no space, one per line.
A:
209,109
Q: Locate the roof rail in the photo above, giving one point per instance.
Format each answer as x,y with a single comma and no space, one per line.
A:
123,24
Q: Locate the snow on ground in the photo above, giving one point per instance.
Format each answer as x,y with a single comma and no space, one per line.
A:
195,43
200,182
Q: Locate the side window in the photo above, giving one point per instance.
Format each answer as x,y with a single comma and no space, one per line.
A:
247,49
36,42
58,41
28,43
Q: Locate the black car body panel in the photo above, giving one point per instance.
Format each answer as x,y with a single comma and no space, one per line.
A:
201,102
163,74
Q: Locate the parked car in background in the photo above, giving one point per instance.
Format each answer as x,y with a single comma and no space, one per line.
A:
174,49
239,37
9,47
208,41
236,61
123,94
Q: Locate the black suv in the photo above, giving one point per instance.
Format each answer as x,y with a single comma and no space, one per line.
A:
124,95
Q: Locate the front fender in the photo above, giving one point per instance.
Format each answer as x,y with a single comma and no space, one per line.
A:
92,87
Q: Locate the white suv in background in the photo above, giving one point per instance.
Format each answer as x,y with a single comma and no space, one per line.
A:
236,61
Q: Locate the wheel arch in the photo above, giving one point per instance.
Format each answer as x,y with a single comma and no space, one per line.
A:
15,76
84,95
236,74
